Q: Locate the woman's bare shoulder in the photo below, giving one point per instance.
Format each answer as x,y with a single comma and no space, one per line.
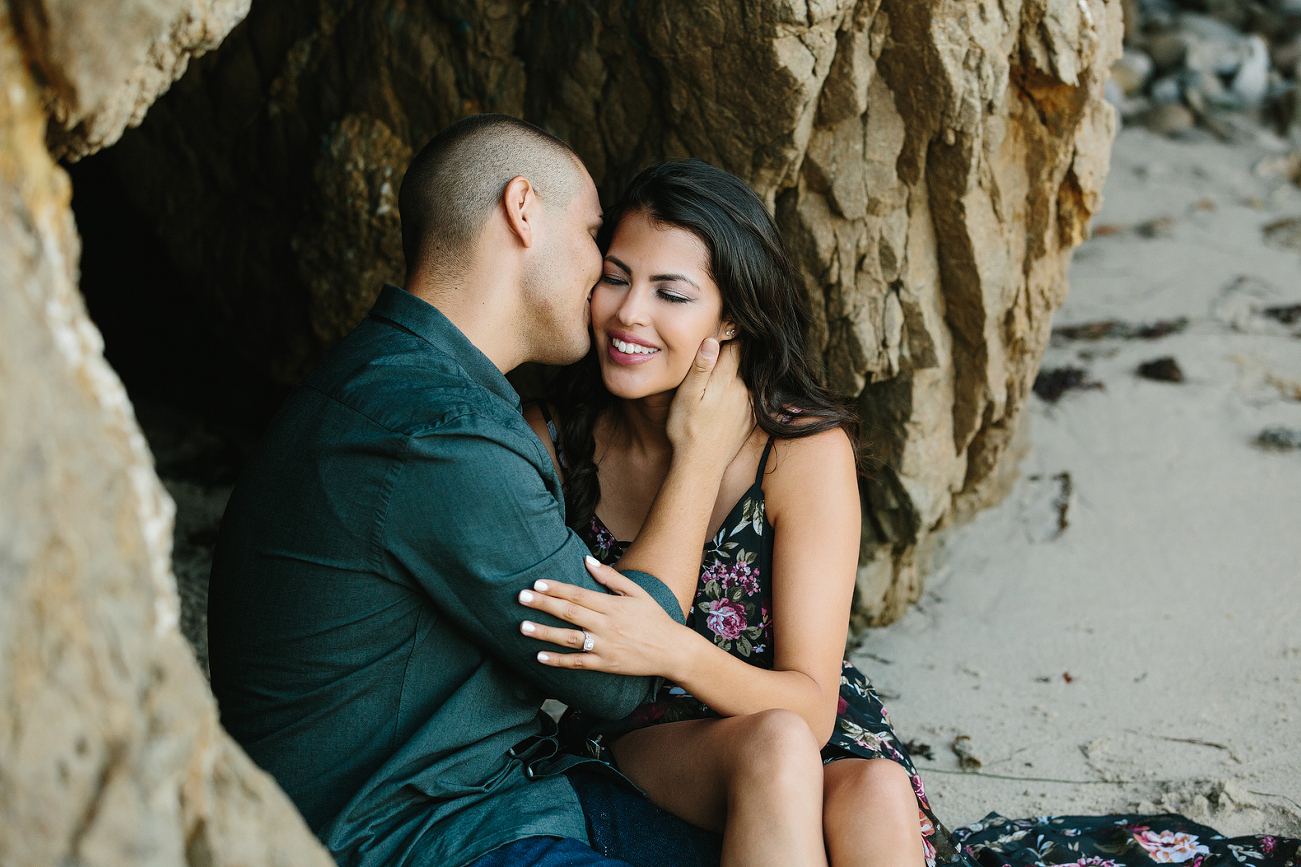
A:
805,471
829,448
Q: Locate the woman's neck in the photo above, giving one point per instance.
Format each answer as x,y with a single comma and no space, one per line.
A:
642,425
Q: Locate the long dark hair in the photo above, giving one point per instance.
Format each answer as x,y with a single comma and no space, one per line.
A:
761,296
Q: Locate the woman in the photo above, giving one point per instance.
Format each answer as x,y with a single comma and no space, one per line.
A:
762,731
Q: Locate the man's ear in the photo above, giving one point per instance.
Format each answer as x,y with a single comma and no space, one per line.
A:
520,201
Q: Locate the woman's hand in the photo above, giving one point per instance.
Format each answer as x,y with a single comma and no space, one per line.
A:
711,416
630,633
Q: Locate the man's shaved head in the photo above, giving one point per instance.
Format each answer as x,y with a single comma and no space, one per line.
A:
455,182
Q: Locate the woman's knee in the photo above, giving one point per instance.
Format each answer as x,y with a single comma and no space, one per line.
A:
881,784
773,744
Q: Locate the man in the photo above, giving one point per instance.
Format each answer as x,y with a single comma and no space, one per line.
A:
363,623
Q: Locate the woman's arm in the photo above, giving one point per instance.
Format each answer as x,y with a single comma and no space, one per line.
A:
812,502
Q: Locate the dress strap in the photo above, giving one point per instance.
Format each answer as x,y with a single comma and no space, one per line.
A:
763,461
555,435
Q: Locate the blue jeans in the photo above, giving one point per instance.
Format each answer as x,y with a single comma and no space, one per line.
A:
626,830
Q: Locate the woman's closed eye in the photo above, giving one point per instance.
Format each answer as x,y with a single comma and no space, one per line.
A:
670,295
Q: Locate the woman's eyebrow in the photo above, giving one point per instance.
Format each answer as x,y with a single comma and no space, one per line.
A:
658,278
673,278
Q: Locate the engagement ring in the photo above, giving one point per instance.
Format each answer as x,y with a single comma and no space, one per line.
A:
588,642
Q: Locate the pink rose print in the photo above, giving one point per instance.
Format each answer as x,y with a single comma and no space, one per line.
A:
729,575
1170,847
841,705
1268,844
918,788
726,618
1092,861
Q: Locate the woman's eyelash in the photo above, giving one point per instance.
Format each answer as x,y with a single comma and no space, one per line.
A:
613,280
670,296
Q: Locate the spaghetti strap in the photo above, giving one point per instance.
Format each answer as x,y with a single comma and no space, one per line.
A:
551,424
555,434
763,462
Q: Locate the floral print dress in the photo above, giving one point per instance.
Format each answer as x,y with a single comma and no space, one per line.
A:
733,608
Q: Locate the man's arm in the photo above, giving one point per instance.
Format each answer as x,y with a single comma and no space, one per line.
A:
472,520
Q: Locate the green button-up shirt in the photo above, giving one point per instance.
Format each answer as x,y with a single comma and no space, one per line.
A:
363,616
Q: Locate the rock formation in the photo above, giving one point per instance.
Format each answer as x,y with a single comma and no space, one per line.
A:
932,165
110,751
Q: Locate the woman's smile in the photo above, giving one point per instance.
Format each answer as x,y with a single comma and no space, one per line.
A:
625,348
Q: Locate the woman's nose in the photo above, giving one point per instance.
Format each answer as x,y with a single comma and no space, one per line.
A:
634,308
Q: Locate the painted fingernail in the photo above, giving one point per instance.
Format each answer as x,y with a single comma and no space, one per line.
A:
525,596
592,561
527,628
542,657
540,586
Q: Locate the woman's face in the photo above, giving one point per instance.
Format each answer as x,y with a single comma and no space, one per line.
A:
654,305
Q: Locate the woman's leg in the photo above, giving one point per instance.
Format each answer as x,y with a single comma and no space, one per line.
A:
869,815
757,779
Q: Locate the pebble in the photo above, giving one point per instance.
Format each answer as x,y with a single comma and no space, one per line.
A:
1166,90
1132,71
1169,119
1279,439
1284,233
1164,369
1252,79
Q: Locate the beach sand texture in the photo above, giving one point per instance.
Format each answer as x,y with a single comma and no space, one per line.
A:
1123,632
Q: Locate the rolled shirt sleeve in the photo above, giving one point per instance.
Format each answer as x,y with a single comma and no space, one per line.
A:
493,495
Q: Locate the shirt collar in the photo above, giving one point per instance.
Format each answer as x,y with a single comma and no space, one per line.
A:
427,322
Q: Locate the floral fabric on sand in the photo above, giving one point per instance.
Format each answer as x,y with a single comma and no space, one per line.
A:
733,608
1116,841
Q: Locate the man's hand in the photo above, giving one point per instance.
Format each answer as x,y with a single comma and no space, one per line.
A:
711,416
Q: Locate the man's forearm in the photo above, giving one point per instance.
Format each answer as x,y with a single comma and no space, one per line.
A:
670,543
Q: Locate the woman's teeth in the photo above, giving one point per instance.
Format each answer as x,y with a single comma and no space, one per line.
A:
631,348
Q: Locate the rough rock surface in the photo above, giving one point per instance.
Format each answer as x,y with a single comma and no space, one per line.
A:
931,163
110,750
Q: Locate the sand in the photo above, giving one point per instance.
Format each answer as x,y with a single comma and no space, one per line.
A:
1147,657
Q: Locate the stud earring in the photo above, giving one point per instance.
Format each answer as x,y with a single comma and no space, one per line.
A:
731,332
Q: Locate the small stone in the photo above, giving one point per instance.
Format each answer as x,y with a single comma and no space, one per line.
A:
1168,50
1288,314
1166,90
1164,369
1285,55
1156,228
1169,119
1279,439
1132,71
1280,167
1252,79
1284,233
